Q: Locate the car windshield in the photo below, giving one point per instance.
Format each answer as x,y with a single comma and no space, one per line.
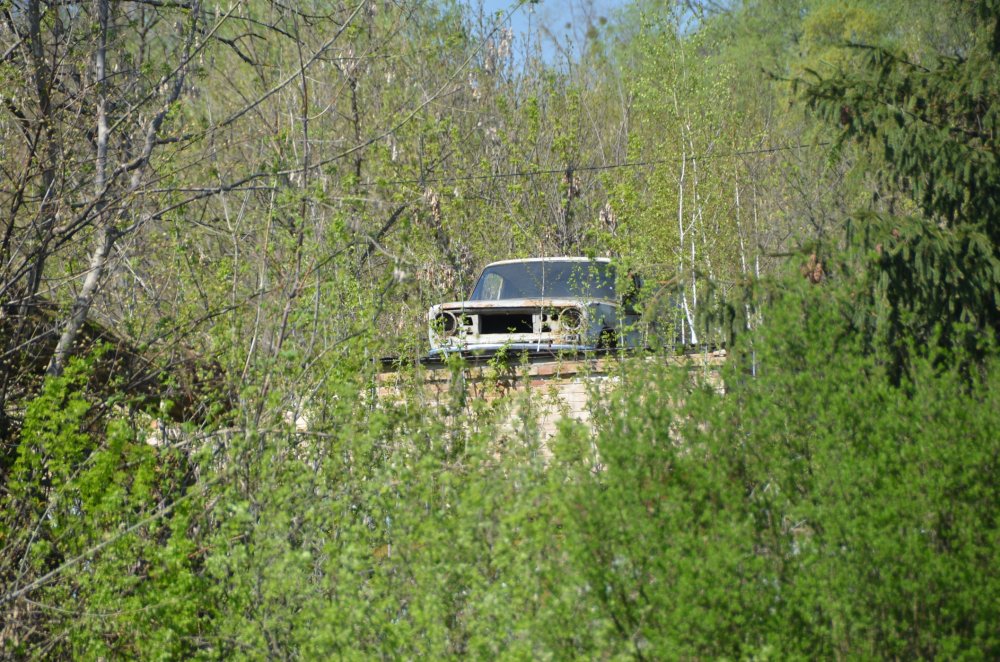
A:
546,279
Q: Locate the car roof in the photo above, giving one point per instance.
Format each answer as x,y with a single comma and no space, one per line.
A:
550,259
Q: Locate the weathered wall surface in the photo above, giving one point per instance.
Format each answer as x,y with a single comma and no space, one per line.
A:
558,386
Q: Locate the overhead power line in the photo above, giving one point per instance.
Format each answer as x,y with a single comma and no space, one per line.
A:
591,168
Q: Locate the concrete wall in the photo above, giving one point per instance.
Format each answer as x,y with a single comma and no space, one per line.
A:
558,386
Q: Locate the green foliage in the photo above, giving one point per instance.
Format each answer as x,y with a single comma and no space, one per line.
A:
816,510
933,123
70,526
838,501
880,490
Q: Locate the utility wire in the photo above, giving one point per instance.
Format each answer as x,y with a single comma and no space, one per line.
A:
589,168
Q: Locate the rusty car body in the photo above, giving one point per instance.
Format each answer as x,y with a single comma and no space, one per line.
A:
540,304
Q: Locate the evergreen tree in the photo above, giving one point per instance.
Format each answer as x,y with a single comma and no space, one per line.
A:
932,123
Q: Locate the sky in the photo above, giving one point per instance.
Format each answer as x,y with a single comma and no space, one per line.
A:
567,20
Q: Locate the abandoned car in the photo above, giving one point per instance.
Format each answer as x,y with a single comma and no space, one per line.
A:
541,304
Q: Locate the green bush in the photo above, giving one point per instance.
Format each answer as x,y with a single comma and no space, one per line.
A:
817,509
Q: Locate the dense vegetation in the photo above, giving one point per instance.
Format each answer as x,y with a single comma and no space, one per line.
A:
261,198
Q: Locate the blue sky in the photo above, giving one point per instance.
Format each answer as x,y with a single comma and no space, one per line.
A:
567,20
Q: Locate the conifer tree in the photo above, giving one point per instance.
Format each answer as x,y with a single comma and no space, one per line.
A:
932,122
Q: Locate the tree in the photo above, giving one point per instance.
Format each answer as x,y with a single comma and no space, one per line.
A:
933,123
89,112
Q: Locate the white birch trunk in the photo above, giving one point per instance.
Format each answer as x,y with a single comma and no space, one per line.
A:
106,234
682,235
